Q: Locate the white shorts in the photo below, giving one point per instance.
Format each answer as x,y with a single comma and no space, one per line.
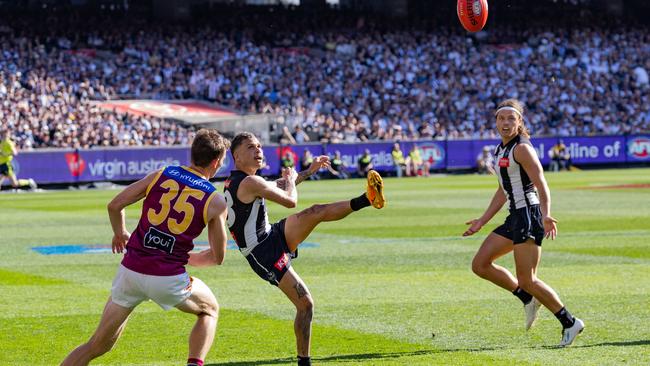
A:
130,288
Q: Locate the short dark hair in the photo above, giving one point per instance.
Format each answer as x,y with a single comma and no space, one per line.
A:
239,139
207,146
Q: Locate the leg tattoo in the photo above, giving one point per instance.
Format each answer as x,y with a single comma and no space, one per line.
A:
301,290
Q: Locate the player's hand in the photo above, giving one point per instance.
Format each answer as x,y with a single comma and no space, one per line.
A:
322,161
119,241
550,229
475,226
290,174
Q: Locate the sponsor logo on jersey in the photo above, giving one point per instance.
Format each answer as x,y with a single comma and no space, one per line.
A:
156,239
504,162
282,262
639,148
189,179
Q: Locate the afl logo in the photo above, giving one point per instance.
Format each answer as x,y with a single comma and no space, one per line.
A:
639,148
433,153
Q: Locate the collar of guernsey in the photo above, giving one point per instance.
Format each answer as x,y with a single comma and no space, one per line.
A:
186,176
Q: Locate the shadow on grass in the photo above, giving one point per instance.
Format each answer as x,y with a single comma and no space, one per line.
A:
641,342
354,357
389,355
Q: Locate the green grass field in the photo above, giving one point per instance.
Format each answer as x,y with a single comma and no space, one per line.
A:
384,281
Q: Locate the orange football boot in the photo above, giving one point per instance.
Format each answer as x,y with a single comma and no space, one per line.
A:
375,190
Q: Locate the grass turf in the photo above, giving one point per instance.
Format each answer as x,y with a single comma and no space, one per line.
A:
392,287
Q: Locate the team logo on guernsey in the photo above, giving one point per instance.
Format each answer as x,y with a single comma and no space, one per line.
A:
156,239
639,148
504,162
433,153
282,262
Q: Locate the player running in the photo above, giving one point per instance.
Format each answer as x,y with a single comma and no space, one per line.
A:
520,177
178,203
269,248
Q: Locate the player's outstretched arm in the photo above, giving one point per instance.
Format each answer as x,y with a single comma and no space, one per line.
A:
527,158
217,237
131,194
322,161
475,225
254,186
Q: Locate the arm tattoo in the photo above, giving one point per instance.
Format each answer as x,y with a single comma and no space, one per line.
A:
302,175
301,290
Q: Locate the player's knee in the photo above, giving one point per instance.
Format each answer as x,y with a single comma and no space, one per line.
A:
210,308
526,282
98,347
480,267
306,305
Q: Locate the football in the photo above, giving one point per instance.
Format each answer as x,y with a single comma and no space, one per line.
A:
472,14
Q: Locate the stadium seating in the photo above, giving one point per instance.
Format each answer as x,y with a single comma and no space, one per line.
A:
334,78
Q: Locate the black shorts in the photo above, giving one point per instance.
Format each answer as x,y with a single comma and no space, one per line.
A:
6,169
271,258
523,224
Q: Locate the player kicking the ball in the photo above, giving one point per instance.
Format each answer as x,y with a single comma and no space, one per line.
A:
268,248
520,177
178,203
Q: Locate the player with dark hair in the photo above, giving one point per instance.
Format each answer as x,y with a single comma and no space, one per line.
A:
521,177
269,248
179,202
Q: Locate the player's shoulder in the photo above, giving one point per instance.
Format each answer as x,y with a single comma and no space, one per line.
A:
253,180
524,149
524,140
218,201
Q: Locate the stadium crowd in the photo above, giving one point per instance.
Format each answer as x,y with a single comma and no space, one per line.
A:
332,79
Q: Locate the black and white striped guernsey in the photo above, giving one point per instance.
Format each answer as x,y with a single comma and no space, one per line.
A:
516,184
248,222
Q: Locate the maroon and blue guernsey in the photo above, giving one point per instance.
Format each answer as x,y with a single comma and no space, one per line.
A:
174,212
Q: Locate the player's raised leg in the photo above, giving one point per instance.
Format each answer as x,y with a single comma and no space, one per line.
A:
203,304
110,328
296,290
299,226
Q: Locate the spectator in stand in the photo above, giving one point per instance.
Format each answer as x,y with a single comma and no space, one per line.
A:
560,157
287,160
415,164
338,168
398,159
485,161
364,164
305,162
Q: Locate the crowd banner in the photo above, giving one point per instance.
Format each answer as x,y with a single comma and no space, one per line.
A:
123,164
